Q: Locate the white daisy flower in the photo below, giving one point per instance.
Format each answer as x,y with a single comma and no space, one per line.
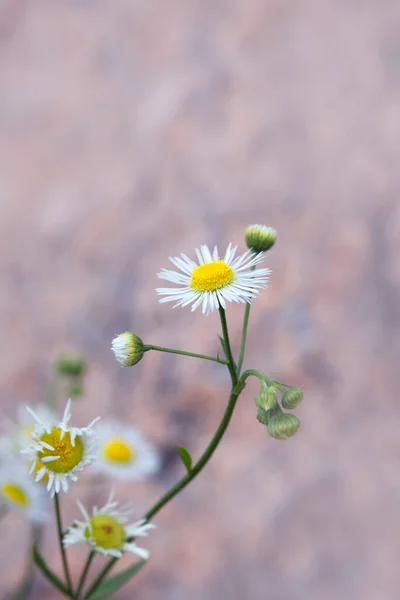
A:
107,532
124,452
19,492
214,281
58,451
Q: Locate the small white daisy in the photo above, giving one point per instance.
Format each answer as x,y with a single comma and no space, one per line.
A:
124,452
19,492
214,281
107,532
58,451
127,348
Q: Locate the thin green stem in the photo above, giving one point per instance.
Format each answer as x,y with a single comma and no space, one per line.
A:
205,457
244,335
183,353
62,548
85,571
244,332
227,346
102,575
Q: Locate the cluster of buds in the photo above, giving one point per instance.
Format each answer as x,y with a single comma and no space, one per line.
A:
280,425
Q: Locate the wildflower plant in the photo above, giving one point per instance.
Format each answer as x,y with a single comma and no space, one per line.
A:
58,450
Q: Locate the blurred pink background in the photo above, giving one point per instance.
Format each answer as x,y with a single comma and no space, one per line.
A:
131,131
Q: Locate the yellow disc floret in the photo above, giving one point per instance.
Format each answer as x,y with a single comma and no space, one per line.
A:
211,276
69,455
117,450
13,493
106,532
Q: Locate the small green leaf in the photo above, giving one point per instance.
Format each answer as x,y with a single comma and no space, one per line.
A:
48,573
185,458
221,339
111,585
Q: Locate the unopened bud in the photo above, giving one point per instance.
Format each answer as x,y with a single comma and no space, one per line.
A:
71,366
292,398
128,348
266,397
283,426
260,238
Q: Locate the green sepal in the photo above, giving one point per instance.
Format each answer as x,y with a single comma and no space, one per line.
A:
47,572
111,585
185,458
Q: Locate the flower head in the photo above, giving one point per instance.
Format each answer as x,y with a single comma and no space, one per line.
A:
127,348
107,532
19,492
260,238
124,452
59,451
213,281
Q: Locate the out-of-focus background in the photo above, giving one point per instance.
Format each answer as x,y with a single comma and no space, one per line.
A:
131,131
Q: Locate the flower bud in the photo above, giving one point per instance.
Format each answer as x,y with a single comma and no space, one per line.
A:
266,397
260,238
128,348
282,426
292,398
71,366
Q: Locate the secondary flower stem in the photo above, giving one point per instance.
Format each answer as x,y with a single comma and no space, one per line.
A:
62,548
103,573
193,354
244,333
205,457
227,346
84,573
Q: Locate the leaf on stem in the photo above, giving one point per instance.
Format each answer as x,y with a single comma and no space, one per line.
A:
111,585
47,572
185,458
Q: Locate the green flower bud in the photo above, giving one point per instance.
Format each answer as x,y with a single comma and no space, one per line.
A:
71,366
75,390
292,398
262,416
283,426
260,238
266,397
128,349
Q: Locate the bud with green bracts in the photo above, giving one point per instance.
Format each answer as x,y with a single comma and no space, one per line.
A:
260,238
283,426
292,398
128,348
264,416
266,397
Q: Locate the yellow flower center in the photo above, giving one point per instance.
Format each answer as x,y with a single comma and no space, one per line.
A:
105,532
211,276
70,455
13,493
117,450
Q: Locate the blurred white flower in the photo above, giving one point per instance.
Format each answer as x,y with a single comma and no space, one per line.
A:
124,452
18,491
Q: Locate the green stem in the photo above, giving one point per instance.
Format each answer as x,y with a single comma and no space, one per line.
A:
244,335
205,457
84,573
103,573
62,548
183,353
227,346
